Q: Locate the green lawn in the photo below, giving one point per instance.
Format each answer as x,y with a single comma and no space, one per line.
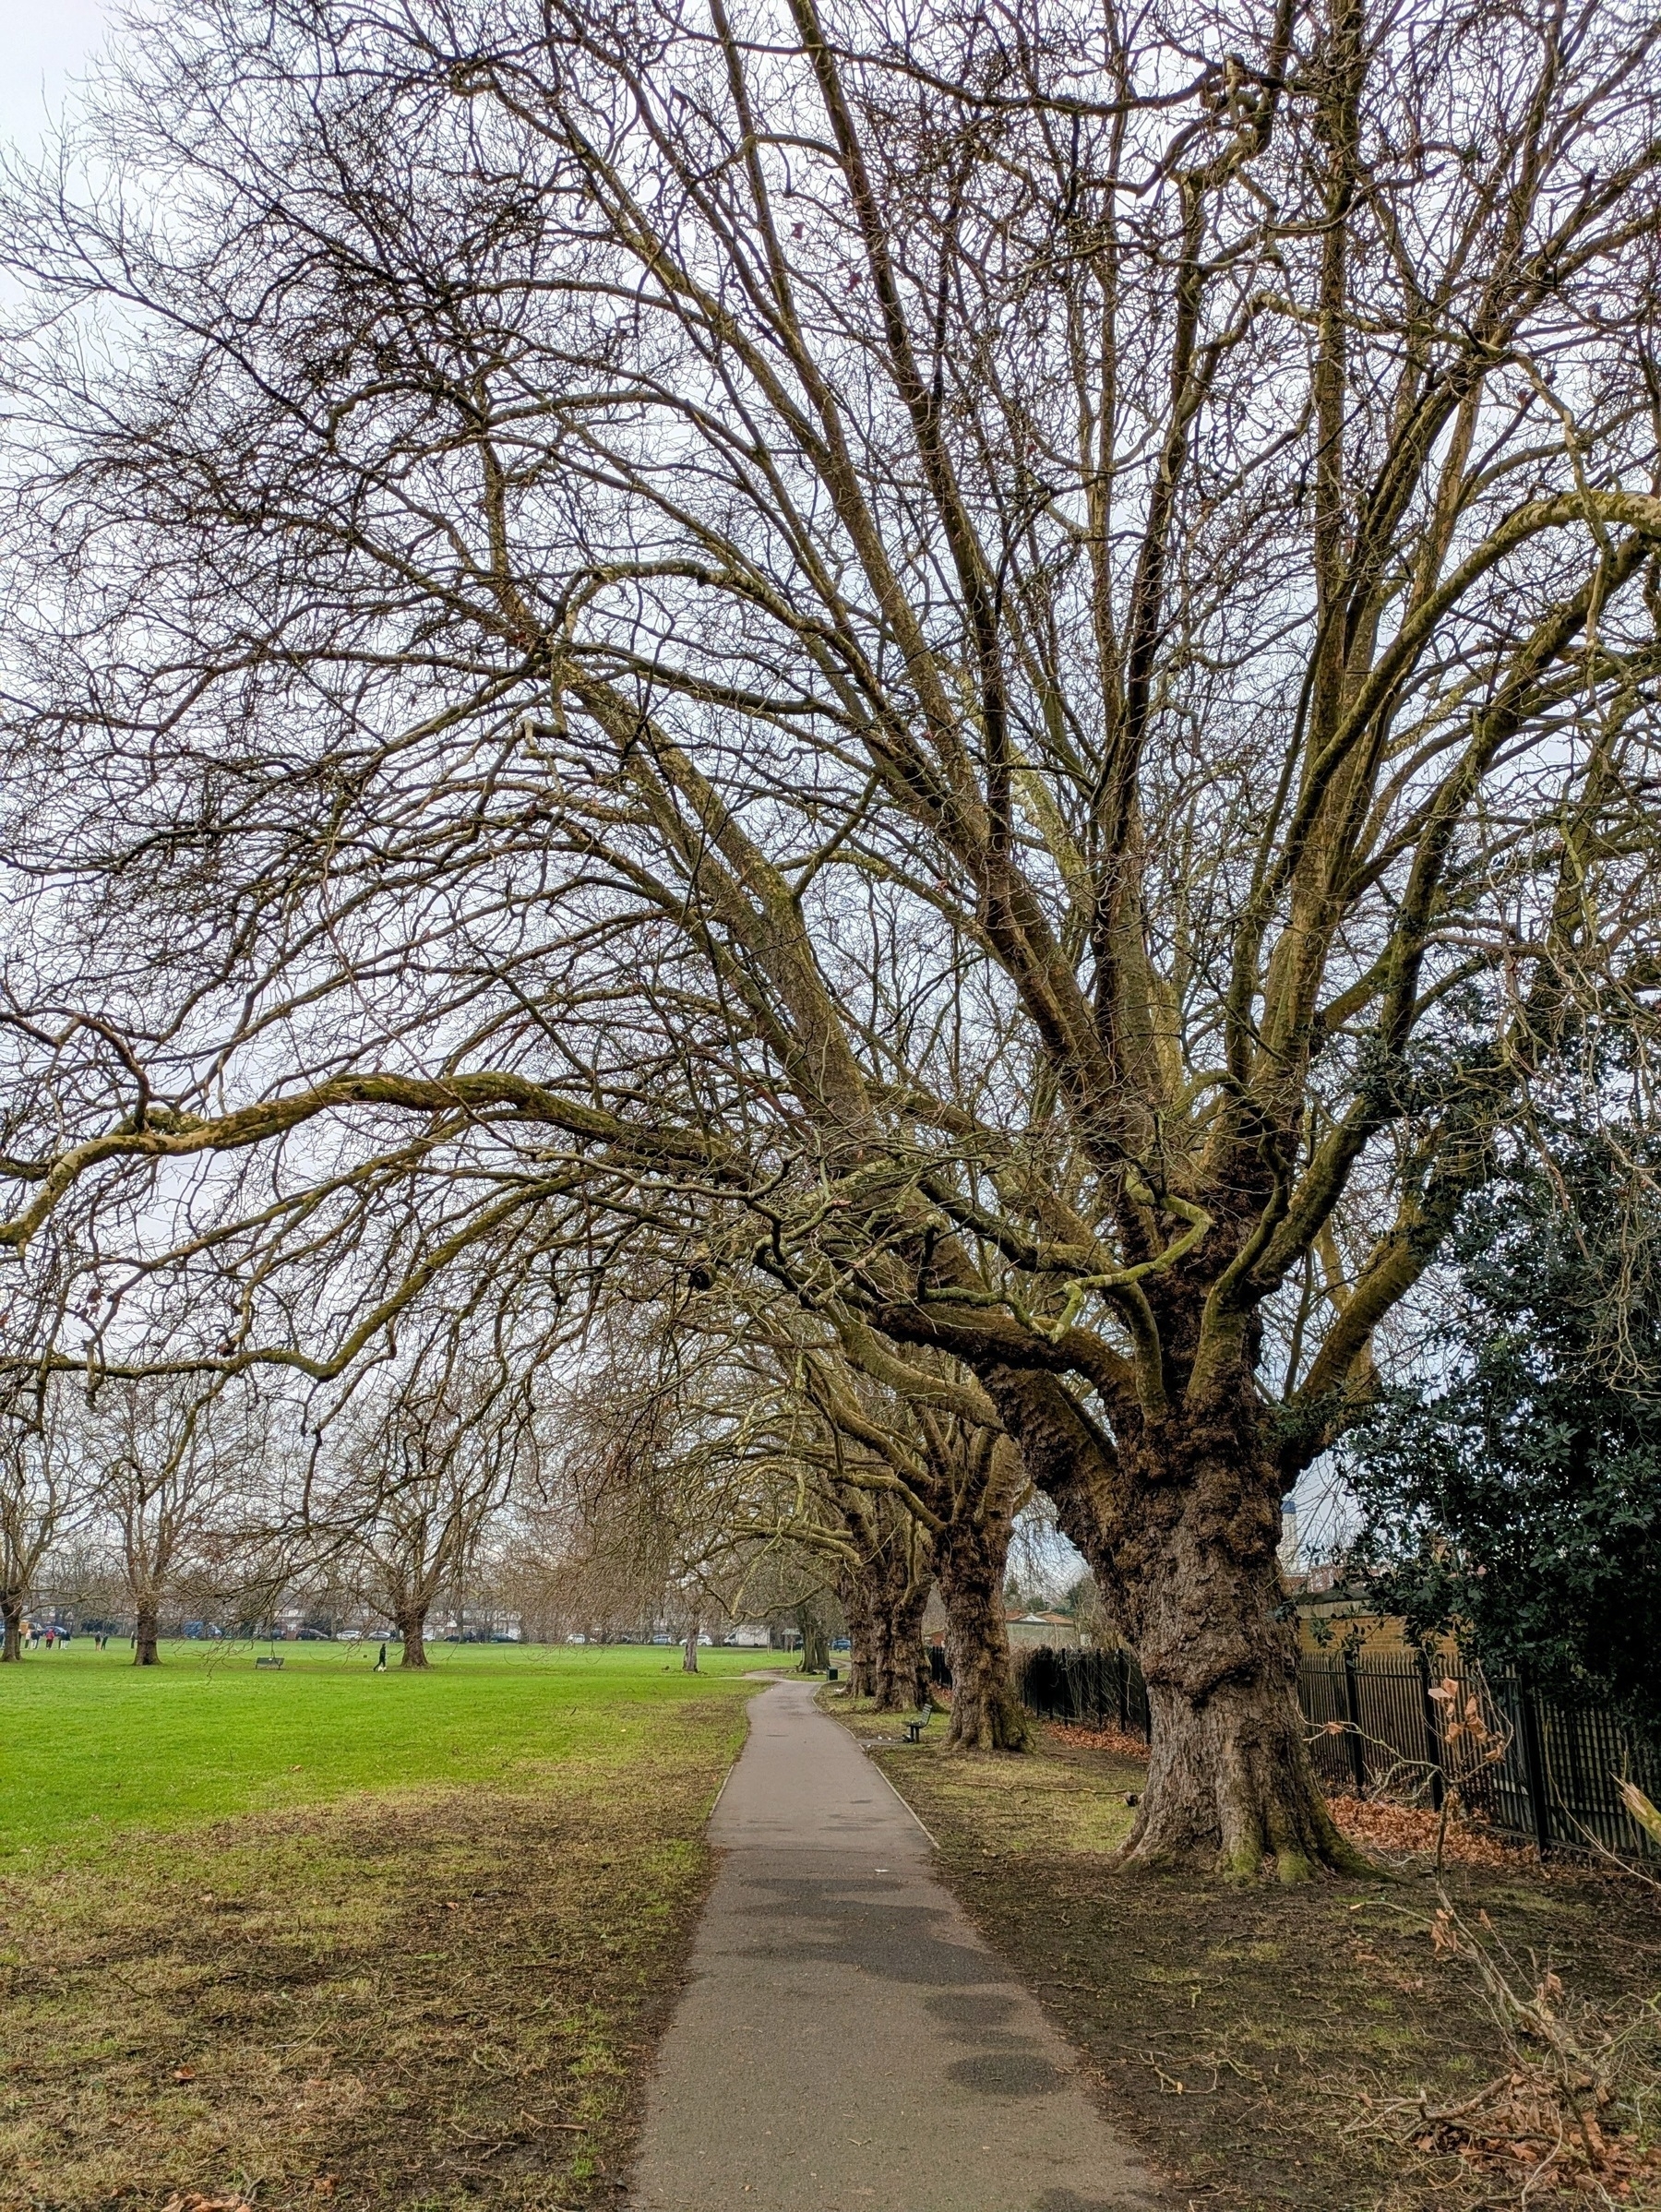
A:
91,1743
395,1942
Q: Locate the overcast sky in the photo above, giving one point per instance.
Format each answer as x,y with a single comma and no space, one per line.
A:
43,43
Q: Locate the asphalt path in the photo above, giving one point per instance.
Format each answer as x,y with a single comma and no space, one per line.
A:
846,2041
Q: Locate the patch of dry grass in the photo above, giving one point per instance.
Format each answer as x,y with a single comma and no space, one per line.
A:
1251,2039
424,2000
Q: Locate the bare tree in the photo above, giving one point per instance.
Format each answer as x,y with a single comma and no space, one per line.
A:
422,1460
1000,668
937,1447
46,1493
988,1484
174,1465
42,1488
724,1464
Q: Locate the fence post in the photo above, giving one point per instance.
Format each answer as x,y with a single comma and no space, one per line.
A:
1433,1751
1351,1706
1534,1758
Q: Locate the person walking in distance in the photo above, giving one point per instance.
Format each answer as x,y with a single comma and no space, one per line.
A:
380,1664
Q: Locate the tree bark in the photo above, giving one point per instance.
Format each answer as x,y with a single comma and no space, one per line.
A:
986,1715
884,1695
1180,1529
412,1627
857,1607
816,1641
1229,1770
898,1665
146,1631
11,1641
689,1649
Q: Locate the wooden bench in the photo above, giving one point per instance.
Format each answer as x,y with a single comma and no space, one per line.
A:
914,1729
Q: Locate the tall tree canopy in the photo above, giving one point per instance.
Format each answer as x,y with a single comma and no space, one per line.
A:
995,661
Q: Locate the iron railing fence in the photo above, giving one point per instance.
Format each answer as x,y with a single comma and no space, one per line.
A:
1403,1728
1092,1689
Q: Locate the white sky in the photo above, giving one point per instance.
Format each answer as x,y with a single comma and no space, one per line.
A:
43,44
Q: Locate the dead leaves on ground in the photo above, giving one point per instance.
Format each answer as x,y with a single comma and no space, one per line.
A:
1077,1738
1522,2129
1400,1831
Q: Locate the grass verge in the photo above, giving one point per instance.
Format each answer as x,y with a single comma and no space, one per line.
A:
420,1994
1268,2048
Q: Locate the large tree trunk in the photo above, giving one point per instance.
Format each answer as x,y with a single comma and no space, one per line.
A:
146,1631
1229,1771
816,1641
899,1664
857,1607
986,1715
689,1649
884,1695
1228,1775
1181,1532
412,1627
11,1638
893,1588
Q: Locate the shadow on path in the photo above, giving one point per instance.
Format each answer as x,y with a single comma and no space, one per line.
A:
847,2043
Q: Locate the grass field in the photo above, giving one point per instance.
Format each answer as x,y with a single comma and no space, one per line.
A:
90,1744
323,1936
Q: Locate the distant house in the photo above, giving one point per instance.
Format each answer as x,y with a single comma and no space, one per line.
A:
1332,1611
1026,1631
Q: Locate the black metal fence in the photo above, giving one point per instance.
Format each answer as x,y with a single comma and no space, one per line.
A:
1408,1729
1094,1689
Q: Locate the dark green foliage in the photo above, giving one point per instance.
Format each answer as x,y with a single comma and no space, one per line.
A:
1518,1499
